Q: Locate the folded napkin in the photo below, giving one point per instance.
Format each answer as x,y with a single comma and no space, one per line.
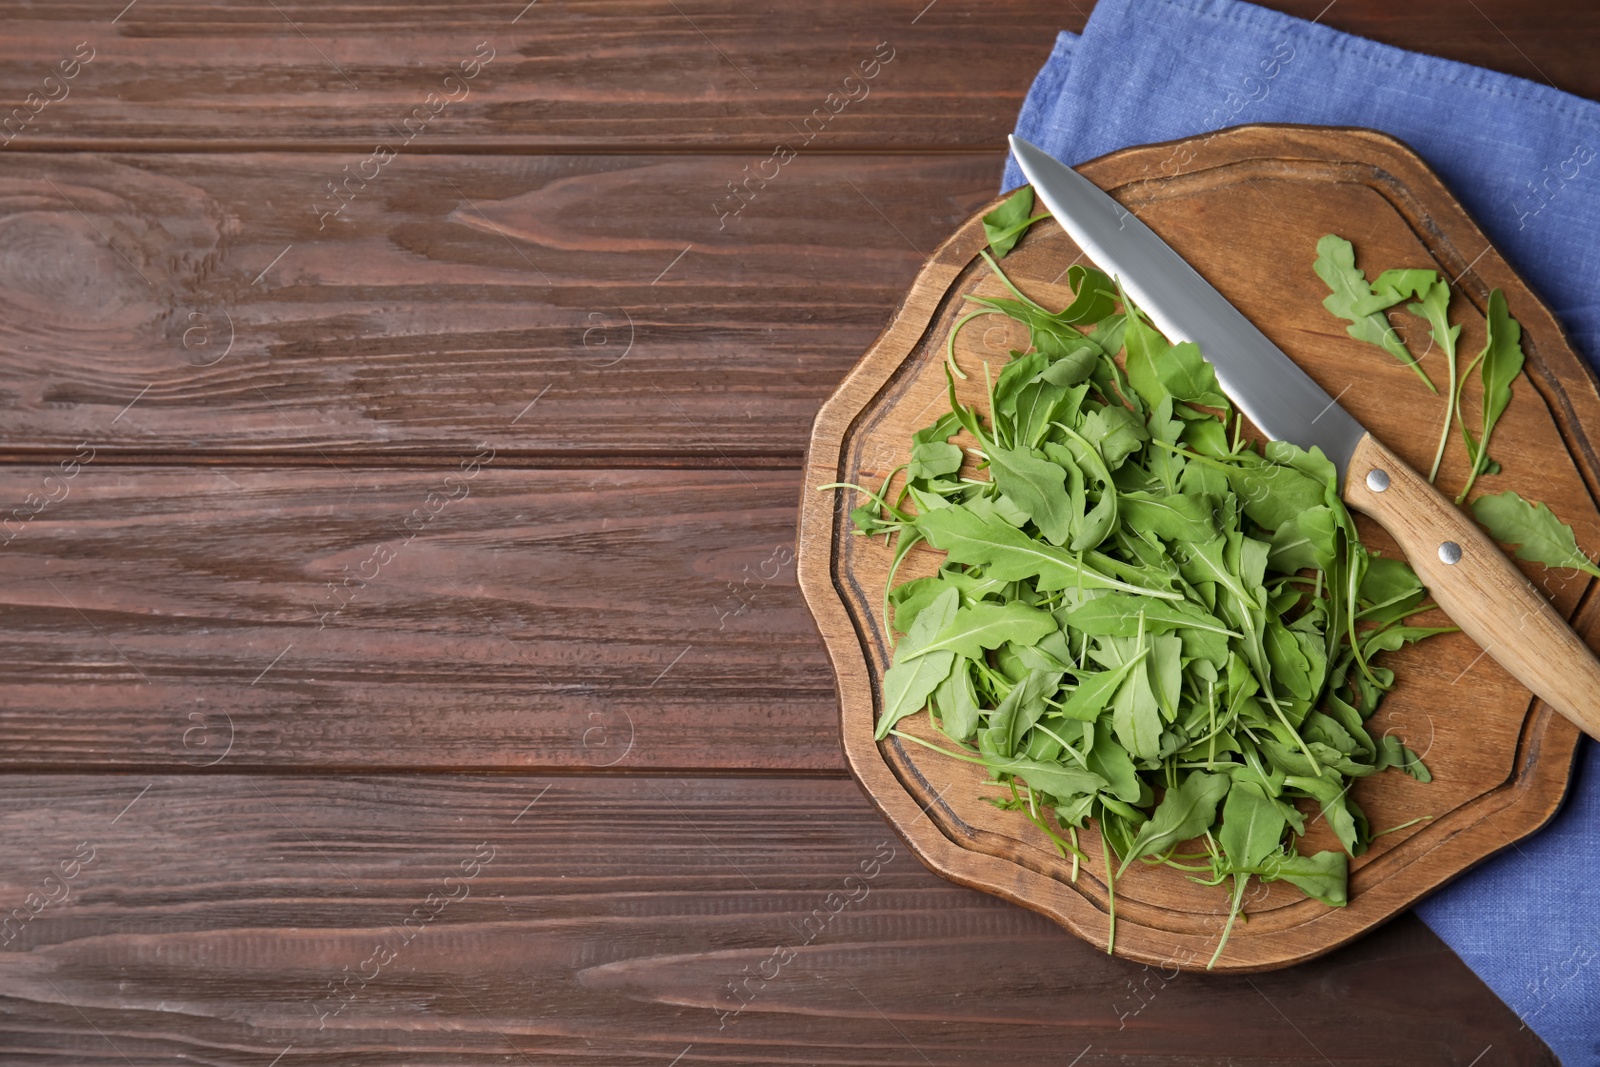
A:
1523,159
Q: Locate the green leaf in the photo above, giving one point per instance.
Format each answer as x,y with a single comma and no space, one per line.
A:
1352,299
1010,555
1052,336
1330,792
1172,516
1096,691
1289,664
1434,305
1056,779
912,678
1535,531
1188,810
1488,465
1498,366
933,459
957,703
1323,877
1306,540
1004,226
1121,615
1393,286
1158,370
1038,487
1116,433
1111,761
1272,494
1252,826
1135,706
990,625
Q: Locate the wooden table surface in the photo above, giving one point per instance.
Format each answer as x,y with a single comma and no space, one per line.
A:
401,654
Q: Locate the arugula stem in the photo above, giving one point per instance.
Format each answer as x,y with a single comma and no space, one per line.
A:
1019,227
1061,844
1350,614
877,498
1111,889
1018,293
950,344
1240,881
1082,760
1451,395
1483,447
1402,826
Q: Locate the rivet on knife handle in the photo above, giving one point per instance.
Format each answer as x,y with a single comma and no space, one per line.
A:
1477,585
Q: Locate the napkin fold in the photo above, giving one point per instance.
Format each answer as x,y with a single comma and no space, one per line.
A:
1524,159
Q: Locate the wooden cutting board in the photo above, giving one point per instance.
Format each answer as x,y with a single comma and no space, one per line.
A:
1245,207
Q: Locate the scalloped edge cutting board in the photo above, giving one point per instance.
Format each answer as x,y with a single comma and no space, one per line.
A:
1246,207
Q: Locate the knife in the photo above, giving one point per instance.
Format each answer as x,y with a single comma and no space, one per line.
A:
1475,583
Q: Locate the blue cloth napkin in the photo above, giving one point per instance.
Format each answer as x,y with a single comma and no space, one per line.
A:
1523,159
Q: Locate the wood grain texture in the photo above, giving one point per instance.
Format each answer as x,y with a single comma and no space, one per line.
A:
1481,588
567,76
614,922
1500,762
449,294
593,76
172,618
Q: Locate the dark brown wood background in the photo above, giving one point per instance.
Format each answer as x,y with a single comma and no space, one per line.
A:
546,773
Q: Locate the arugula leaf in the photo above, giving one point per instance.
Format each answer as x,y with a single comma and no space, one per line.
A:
1005,225
1009,554
1096,691
1353,300
912,678
1393,286
1433,304
1121,615
1038,487
956,700
1252,826
1500,363
1171,516
987,625
1323,876
1188,810
1534,529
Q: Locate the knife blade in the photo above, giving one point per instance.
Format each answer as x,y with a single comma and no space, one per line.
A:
1468,575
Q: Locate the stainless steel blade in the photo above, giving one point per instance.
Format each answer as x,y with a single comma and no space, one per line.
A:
1267,385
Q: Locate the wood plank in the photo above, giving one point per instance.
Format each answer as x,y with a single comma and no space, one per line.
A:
218,916
597,75
190,304
632,619
583,74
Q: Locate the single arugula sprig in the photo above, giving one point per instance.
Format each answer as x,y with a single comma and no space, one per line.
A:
1500,362
1005,225
1534,529
1362,305
1141,621
1433,304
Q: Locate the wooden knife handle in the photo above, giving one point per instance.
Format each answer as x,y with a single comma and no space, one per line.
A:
1482,591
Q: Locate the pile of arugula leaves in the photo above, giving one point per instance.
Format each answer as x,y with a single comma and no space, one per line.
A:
1538,534
1141,619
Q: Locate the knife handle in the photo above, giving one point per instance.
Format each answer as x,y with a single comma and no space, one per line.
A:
1476,584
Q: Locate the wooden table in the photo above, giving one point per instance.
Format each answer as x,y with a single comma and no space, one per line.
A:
401,652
